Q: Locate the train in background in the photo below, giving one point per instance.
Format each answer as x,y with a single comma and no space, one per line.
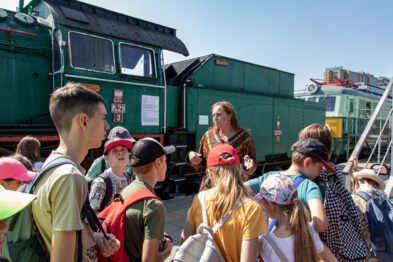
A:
49,43
349,106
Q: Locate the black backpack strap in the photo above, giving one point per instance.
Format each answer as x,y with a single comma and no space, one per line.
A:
108,191
79,236
363,195
103,164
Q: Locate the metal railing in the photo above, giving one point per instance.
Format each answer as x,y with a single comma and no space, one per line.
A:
359,145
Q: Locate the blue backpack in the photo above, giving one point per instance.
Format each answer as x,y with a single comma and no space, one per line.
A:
379,212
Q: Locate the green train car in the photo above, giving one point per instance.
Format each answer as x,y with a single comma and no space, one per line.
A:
262,96
347,113
50,43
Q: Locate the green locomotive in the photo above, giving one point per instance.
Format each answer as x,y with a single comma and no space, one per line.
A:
52,42
348,110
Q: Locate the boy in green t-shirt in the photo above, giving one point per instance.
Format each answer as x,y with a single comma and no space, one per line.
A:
79,116
145,220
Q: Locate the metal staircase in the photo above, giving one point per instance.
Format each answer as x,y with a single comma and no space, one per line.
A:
369,133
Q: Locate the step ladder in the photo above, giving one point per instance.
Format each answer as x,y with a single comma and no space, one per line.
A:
366,132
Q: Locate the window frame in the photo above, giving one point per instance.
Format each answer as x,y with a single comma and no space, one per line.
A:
325,98
87,69
136,77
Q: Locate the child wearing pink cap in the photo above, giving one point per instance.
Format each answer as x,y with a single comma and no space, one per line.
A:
294,239
13,174
227,201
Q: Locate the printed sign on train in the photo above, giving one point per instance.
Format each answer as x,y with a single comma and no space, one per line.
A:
118,108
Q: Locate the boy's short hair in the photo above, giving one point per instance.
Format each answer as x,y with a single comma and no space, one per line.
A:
141,170
71,100
298,158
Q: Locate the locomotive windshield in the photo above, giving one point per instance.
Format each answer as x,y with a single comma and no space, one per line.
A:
136,61
330,102
91,53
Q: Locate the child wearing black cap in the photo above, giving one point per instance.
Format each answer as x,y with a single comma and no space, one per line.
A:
145,219
308,158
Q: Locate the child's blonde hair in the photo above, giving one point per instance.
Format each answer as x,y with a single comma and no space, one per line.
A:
230,189
304,244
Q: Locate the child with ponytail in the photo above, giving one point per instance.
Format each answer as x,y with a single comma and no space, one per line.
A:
294,239
237,239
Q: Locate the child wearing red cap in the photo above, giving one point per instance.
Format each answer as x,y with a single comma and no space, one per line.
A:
109,183
227,199
13,174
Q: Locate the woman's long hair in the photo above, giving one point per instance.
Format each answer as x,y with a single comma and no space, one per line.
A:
305,250
229,109
229,189
29,147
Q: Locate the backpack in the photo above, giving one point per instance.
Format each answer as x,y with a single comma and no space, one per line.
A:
379,212
344,235
113,221
108,187
201,246
31,248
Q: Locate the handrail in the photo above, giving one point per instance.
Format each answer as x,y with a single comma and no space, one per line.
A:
8,31
348,167
384,157
379,137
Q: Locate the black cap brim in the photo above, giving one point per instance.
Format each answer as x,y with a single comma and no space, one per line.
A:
169,149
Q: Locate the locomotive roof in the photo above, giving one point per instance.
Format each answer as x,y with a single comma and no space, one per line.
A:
95,19
337,90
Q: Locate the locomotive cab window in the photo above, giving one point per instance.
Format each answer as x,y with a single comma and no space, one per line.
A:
330,103
91,53
312,99
137,62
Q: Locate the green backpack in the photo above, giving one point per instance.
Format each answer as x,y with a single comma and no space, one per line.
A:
22,240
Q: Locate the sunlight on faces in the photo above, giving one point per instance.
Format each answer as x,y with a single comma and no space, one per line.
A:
96,127
163,167
118,156
312,169
220,117
11,185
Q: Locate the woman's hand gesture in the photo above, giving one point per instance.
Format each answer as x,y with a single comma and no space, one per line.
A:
195,158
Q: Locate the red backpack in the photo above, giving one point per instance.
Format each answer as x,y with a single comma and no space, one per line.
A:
113,221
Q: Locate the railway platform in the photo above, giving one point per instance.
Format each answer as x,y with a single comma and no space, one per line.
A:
176,215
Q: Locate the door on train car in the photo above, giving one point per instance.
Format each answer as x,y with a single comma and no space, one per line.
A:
24,72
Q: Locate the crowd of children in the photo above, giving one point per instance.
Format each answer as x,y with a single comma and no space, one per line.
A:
308,209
